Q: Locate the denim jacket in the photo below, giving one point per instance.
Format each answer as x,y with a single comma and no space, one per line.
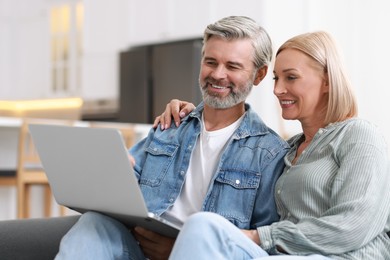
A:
242,187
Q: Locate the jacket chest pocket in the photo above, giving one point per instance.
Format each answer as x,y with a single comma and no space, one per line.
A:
160,156
234,195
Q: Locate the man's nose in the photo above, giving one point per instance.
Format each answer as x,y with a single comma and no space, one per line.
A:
219,72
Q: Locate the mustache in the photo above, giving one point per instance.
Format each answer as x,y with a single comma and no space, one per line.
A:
222,83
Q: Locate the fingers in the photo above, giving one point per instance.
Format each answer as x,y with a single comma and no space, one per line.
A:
253,234
166,117
154,246
175,106
175,110
156,121
179,109
162,120
132,160
186,108
171,112
150,235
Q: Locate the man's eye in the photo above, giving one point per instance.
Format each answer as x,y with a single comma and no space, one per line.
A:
211,63
233,67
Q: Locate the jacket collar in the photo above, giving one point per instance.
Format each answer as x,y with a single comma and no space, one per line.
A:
252,124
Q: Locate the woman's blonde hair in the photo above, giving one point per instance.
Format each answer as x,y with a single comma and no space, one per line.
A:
321,47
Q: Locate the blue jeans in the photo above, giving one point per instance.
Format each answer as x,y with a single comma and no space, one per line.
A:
209,236
96,236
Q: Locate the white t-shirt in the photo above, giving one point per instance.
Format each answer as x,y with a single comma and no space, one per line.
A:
202,166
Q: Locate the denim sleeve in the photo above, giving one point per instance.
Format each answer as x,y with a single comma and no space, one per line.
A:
139,154
265,211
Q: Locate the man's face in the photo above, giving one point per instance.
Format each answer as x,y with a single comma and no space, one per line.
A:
227,72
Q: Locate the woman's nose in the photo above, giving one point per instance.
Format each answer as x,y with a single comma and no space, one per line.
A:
279,89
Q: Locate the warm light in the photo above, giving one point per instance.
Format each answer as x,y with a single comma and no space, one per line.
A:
79,16
43,104
60,19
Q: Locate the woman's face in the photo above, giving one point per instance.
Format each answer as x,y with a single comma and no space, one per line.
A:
301,87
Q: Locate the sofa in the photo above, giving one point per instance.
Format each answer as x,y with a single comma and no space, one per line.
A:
35,238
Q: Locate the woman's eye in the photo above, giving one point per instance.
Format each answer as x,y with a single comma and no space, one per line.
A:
291,77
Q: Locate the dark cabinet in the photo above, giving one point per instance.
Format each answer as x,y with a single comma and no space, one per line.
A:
151,75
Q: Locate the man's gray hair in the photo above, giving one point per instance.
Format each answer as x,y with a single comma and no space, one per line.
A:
242,27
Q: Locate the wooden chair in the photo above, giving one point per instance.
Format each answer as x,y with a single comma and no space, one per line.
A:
8,141
7,178
8,181
30,171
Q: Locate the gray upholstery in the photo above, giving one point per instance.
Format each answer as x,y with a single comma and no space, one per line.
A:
33,238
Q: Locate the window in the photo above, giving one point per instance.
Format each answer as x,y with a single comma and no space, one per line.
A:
66,28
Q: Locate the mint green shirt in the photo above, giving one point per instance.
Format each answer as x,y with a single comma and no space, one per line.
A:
335,200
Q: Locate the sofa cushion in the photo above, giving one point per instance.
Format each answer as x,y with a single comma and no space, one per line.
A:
37,238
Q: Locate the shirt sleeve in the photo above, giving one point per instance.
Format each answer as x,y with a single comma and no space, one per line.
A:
358,207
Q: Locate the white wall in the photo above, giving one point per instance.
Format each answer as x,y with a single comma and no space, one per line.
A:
23,47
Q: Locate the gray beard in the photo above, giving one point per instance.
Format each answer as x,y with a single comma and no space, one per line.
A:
231,100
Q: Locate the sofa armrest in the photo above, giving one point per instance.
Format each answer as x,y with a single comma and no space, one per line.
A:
37,238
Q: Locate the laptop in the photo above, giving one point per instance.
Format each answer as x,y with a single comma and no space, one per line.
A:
89,170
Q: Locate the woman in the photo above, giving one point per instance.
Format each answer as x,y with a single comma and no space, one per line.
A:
333,197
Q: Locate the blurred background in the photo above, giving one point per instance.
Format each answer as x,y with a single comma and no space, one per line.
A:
123,60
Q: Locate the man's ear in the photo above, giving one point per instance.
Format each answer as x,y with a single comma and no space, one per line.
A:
260,74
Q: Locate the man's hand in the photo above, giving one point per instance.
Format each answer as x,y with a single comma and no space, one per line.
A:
154,246
252,234
175,109
132,160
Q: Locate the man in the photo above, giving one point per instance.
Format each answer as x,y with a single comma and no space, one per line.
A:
222,158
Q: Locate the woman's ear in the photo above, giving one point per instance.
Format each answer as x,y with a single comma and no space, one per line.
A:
260,75
325,85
